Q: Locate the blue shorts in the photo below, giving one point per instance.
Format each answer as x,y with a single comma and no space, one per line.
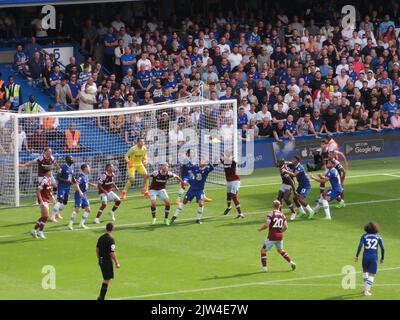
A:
303,191
333,194
63,194
81,202
199,194
370,265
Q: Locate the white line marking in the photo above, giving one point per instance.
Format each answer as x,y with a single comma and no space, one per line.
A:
186,219
240,285
392,175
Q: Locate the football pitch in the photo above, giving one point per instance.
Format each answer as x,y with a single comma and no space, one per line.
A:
216,260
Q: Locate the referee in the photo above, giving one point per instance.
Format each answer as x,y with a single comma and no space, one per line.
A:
105,251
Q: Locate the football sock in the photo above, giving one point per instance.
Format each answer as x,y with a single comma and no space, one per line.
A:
264,259
369,282
365,276
291,208
179,209
85,215
237,203
153,211
103,291
180,193
43,220
319,204
166,212
57,207
301,210
73,217
325,205
321,188
200,213
116,205
127,185
285,256
309,209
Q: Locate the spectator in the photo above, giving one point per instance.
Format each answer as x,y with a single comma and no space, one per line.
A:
305,126
375,121
391,106
331,119
72,136
116,124
347,124
22,140
385,121
263,113
363,123
89,36
318,122
265,129
63,93
395,120
87,98
132,129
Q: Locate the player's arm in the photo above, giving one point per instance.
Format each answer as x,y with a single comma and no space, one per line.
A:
29,163
144,160
92,184
291,173
100,186
359,249
77,188
380,242
61,179
115,186
346,163
97,252
320,179
127,157
39,196
285,226
265,225
178,178
114,255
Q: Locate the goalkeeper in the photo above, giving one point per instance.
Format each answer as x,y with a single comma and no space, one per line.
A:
136,158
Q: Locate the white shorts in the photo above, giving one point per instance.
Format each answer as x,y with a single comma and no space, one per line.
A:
162,194
111,196
269,244
53,180
233,186
285,187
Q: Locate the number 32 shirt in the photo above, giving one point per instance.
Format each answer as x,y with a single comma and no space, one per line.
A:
371,243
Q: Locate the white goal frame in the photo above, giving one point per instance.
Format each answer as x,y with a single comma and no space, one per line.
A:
99,112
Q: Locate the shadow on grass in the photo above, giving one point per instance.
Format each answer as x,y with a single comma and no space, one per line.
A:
347,296
241,275
28,238
19,224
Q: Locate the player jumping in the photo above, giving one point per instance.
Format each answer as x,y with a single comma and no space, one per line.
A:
65,178
185,173
105,185
370,240
232,184
44,195
136,159
45,161
287,187
303,188
157,189
197,183
332,175
81,200
276,225
334,156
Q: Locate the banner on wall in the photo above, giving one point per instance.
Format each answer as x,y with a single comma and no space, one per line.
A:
61,54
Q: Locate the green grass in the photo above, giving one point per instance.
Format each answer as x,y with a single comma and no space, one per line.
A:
218,259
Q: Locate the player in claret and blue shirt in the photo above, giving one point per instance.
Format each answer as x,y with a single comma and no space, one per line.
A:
81,200
333,193
197,183
370,240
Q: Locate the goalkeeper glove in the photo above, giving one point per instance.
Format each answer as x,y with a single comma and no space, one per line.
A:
130,164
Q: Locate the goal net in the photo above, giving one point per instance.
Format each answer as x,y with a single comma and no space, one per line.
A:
98,137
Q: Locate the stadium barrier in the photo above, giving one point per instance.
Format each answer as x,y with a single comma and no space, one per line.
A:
358,145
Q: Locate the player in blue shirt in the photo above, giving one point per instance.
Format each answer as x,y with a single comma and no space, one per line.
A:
81,200
370,240
65,179
185,174
197,183
333,176
303,188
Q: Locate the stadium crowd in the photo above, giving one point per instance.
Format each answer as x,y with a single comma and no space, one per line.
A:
291,75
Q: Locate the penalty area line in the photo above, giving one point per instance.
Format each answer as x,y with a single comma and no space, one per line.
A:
183,220
246,284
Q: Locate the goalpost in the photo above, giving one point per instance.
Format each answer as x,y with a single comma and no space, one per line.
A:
98,137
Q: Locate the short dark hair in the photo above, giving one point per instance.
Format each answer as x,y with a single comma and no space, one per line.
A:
110,226
297,158
84,166
371,227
